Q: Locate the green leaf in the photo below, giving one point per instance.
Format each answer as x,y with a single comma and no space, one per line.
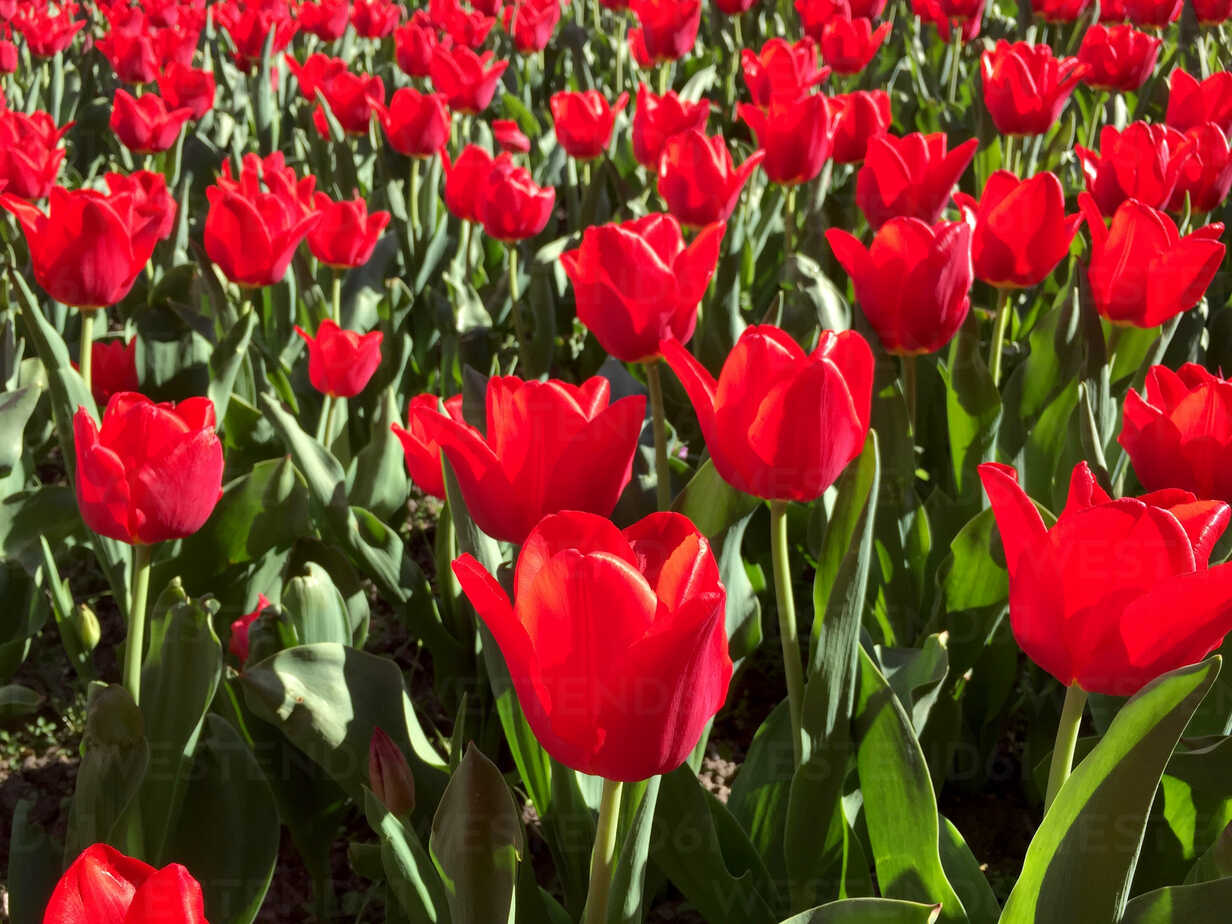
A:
409,871
963,871
16,701
760,791
711,503
476,842
316,607
973,406
868,911
226,360
380,482
34,867
1200,903
28,517
1096,823
900,807
15,409
636,830
228,832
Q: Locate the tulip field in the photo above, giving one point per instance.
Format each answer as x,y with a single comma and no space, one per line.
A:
615,461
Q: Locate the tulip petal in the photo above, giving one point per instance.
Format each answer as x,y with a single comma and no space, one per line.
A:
171,894
572,529
101,482
595,466
1018,521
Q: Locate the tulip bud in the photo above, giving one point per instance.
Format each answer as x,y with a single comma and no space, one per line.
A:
389,775
85,624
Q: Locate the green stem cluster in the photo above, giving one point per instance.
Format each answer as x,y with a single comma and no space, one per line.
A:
792,666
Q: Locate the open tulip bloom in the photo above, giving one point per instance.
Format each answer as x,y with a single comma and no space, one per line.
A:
103,886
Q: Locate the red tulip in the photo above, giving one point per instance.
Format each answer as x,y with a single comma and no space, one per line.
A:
1113,11
584,121
1026,87
636,284
667,28
326,19
351,99
814,14
1086,595
186,87
103,886
252,233
30,153
508,203
154,207
467,81
1142,271
423,452
615,641
144,125
375,18
658,118
510,138
463,26
238,645
859,117
912,283
414,44
346,234
530,23
698,180
152,472
548,446
131,54
416,124
1180,434
113,369
463,179
389,775
1021,231
340,362
316,73
1206,175
8,56
89,248
847,45
47,30
781,424
1153,13
1117,57
910,177
1143,162
1066,11
734,7
1212,12
947,16
1192,102
249,25
781,71
797,137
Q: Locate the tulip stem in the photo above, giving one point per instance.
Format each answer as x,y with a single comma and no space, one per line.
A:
1000,324
957,39
466,248
336,299
133,647
665,78
789,222
603,856
86,361
787,624
519,323
1067,740
909,389
326,420
412,200
663,474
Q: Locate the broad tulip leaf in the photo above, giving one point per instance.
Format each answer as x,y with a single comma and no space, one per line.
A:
900,807
34,867
760,791
228,832
1200,903
963,871
973,406
226,360
711,503
327,699
409,871
15,409
49,511
380,482
477,841
16,700
868,911
1081,861
316,607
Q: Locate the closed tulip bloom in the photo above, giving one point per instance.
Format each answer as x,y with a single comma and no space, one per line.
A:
1087,595
910,177
466,80
815,14
637,284
1212,12
375,18
1206,174
238,645
1142,162
251,232
88,249
31,153
326,19
847,45
340,362
423,452
509,205
131,54
615,639
548,446
1026,87
249,25
1117,58
1021,231
103,886
414,44
912,283
154,207
1155,14
8,57
463,179
948,16
510,137
734,7
389,775
346,234
352,99
461,25
1193,102
113,369
584,121
666,29
1113,11
1066,11
859,117
1142,271
187,88
797,137
658,118
151,472
1179,435
316,73
781,71
144,124
779,423
698,180
416,124
530,23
